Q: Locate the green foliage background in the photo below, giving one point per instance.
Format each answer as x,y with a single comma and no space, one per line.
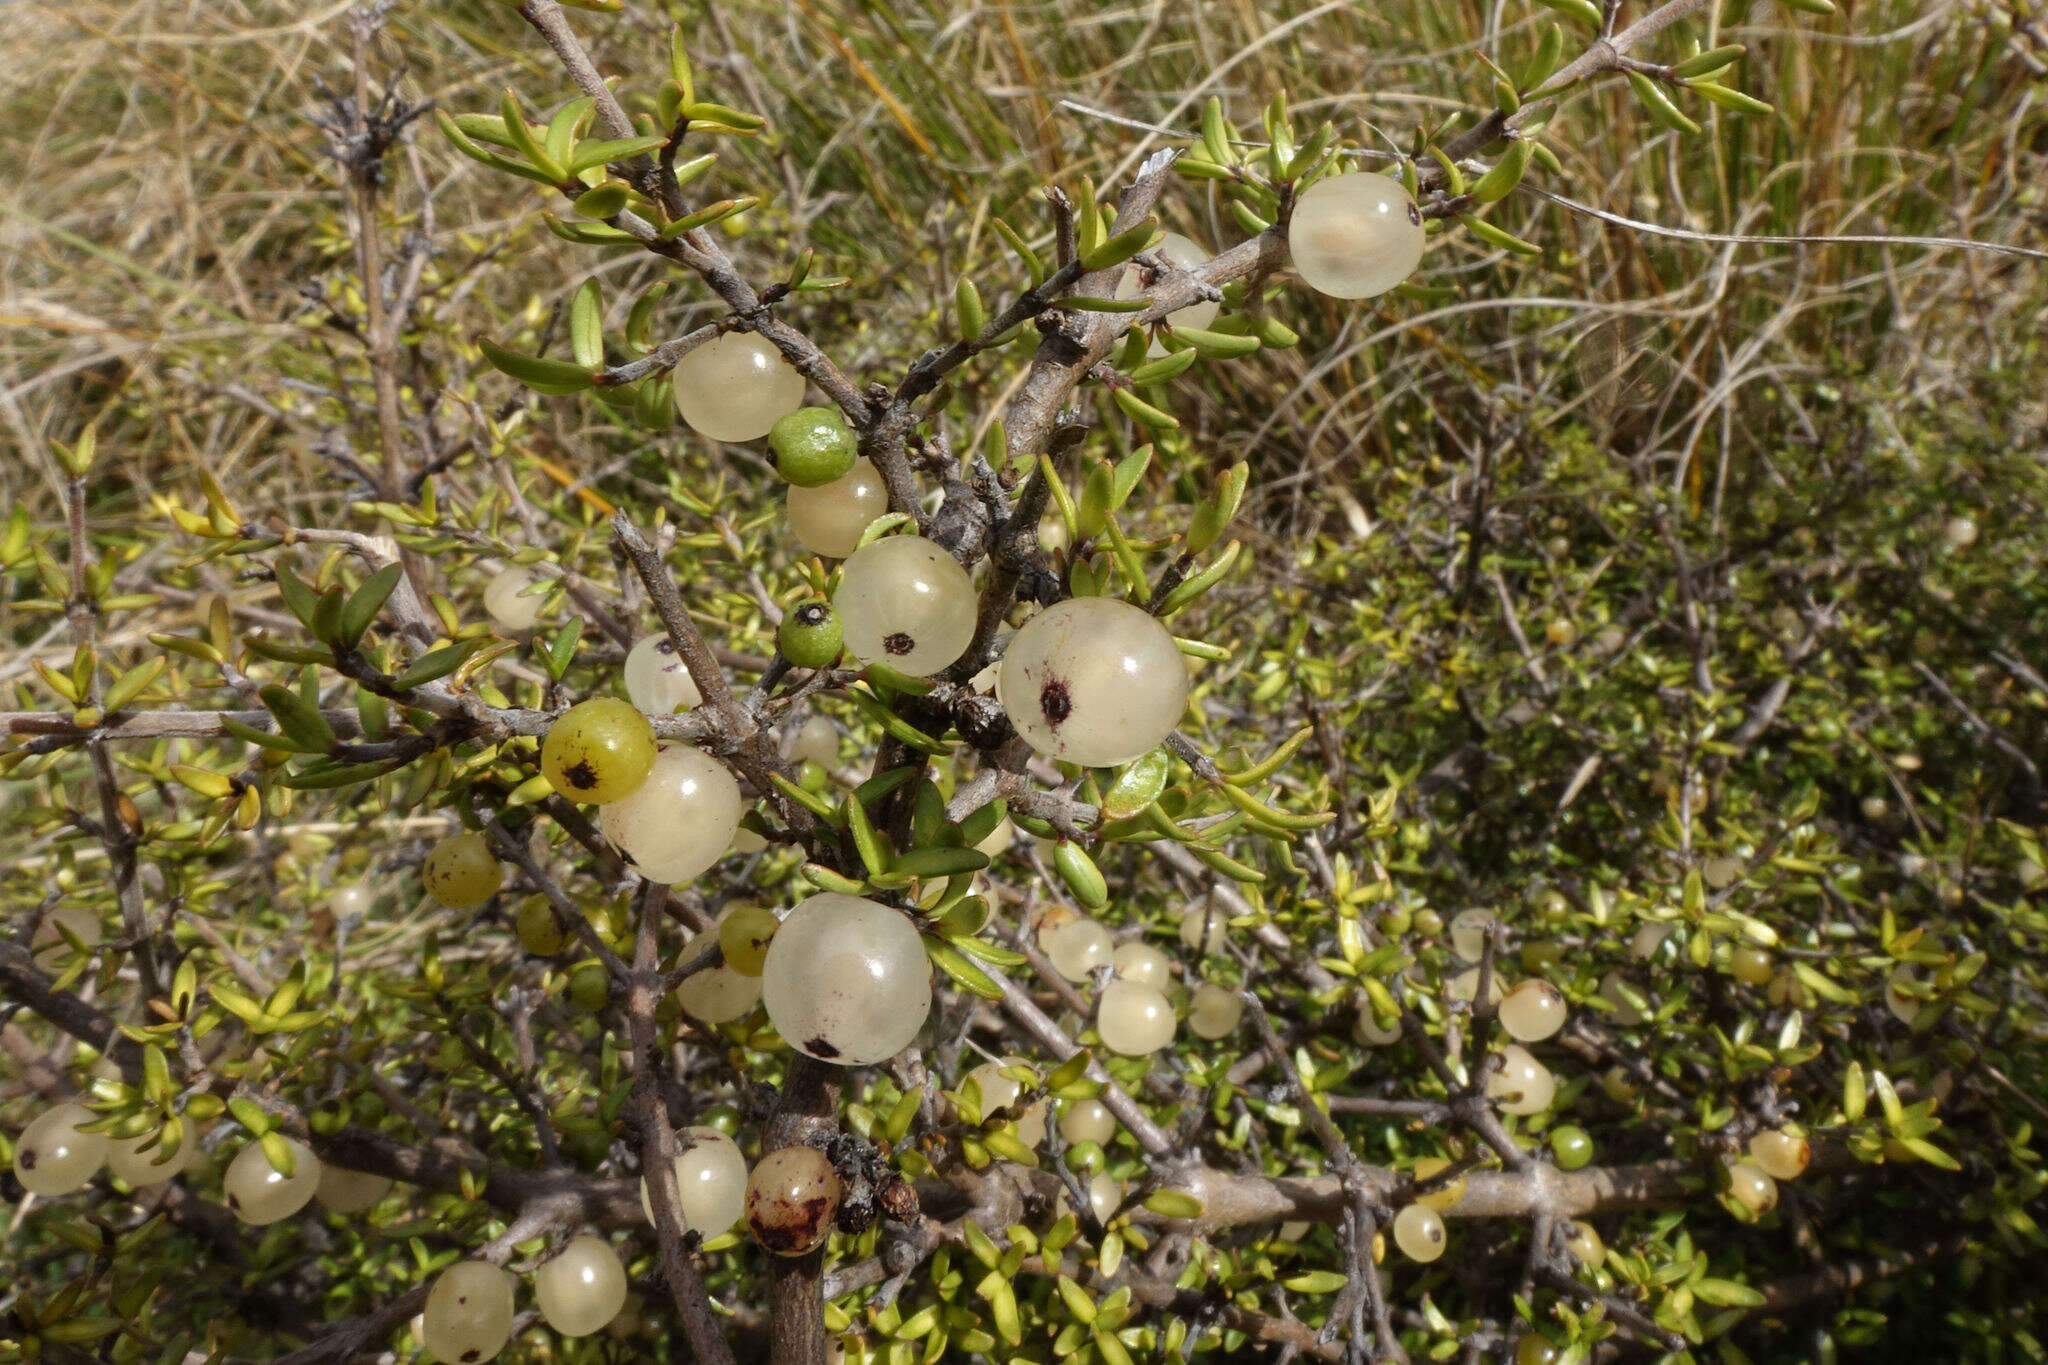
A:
1718,469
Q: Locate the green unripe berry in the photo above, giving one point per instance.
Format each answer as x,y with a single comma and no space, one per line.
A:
1571,1146
461,872
813,446
599,751
541,931
744,932
589,987
812,635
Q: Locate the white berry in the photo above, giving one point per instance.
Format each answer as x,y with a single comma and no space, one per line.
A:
468,1317
1133,1019
1533,1011
1093,681
508,603
1468,932
53,1156
344,1191
260,1194
680,820
1523,1085
129,1159
1203,925
907,604
1144,964
711,1181
1088,1121
581,1289
736,388
1214,1011
1000,1092
717,995
828,520
1186,253
1355,236
656,680
846,980
1419,1232
1077,948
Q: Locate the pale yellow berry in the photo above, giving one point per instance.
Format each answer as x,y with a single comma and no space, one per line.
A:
736,387
1133,1019
744,932
1144,964
582,1288
792,1197
1750,965
1088,1121
1720,873
1000,1092
143,1161
468,1317
350,902
1960,533
461,872
258,1193
1582,1240
1203,926
717,995
1355,236
598,751
657,681
1188,255
1780,1153
828,520
54,1156
509,604
847,980
815,741
1214,1011
1443,1196
1523,1085
53,952
1077,948
1105,1193
1752,1188
1419,1232
344,1191
1647,940
1631,1006
711,1181
906,604
1465,986
680,820
1468,932
1093,681
998,840
1533,1011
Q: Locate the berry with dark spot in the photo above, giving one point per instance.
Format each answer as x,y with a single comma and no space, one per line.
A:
792,1197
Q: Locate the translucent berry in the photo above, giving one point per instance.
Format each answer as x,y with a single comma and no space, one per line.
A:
344,1191
260,1194
144,1161
53,951
1105,1194
998,840
1752,966
582,1288
828,520
792,1197
1144,964
468,1317
657,681
1000,1092
1444,1196
1533,1011
718,995
1583,1241
1631,1006
1203,926
815,741
711,1180
1465,986
54,1156
1355,236
1959,533
1780,1154
847,980
1571,1146
1093,681
1134,1020
1214,1011
736,388
680,820
1469,929
907,604
1419,1232
1787,989
813,446
352,901
1542,955
507,602
1523,1085
598,751
461,872
744,933
1752,1188
590,986
1077,948
1088,1121
1535,1349
811,635
1186,253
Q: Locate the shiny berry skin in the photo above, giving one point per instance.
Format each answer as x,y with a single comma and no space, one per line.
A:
718,995
1203,926
1571,1146
744,933
1583,1241
1000,1092
1214,1011
461,872
1134,1020
1144,964
828,520
811,635
906,604
507,602
791,1199
468,1317
1751,966
1523,1085
1088,1121
679,820
846,980
582,1288
1469,929
736,387
1077,947
1093,681
1355,236
1533,1349
1752,1188
598,751
1533,1011
1780,1154
344,1191
711,1181
813,446
1186,253
1444,1196
1419,1232
53,1157
128,1159
656,679
260,1194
